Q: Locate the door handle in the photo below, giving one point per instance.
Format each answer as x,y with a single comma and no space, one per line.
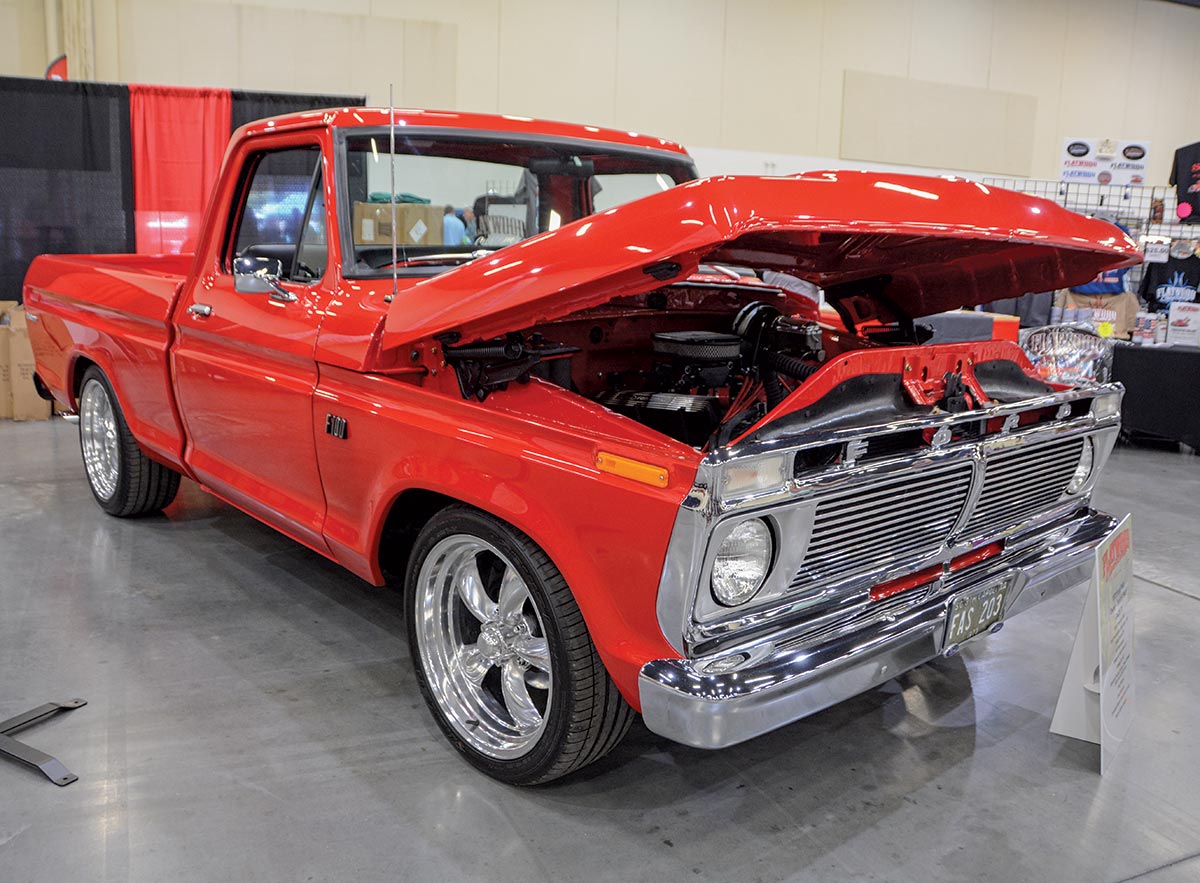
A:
202,311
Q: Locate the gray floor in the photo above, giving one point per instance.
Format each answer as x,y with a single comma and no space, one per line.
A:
252,716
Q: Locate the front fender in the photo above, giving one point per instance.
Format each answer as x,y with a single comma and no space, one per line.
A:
607,535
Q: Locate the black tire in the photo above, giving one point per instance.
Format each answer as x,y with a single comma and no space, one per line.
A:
587,716
142,486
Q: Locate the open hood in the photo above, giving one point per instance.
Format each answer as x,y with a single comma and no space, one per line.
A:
882,245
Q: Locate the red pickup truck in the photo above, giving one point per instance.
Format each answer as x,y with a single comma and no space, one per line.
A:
584,408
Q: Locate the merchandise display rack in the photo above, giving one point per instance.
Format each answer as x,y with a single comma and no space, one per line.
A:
1148,212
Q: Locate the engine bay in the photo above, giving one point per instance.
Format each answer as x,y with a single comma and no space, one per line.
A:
704,362
696,362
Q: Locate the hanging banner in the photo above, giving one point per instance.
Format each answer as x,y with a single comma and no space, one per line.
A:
1104,161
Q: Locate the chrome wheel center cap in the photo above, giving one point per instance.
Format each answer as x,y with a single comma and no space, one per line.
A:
493,644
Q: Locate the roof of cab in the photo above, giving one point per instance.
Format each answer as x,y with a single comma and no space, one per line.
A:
376,117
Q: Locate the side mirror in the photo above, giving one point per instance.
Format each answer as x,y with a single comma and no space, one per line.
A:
258,275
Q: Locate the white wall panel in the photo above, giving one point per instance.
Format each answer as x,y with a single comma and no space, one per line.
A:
339,7
478,46
430,65
772,75
863,35
557,58
22,38
1097,78
1026,56
1160,108
106,21
756,75
378,59
951,40
153,50
669,68
938,125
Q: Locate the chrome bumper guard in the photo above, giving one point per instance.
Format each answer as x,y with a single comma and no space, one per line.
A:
745,692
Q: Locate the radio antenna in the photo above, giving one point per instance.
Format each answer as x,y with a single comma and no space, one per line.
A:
392,194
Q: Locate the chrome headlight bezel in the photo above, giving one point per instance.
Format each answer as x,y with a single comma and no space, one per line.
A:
1084,470
758,542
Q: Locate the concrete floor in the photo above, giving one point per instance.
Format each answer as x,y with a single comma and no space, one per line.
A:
252,716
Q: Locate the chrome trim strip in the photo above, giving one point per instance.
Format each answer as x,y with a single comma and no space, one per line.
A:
779,682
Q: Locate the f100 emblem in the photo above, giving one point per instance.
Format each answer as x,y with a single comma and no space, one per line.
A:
335,426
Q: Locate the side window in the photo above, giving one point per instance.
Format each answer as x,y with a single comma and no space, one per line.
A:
277,211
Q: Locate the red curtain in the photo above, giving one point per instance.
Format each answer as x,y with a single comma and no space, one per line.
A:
179,136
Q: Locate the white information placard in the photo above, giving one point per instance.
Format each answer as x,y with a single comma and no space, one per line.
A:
1183,324
1096,701
1114,604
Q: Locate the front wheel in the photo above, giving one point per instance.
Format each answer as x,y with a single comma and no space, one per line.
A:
124,481
502,655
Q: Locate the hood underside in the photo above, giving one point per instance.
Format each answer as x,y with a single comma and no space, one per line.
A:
883,246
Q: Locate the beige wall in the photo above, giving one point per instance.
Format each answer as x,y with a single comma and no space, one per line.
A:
754,75
23,38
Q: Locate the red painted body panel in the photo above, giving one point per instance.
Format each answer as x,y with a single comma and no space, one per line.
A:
830,229
255,380
111,310
527,457
409,118
245,374
922,368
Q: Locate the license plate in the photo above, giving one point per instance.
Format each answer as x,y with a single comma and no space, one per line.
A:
975,612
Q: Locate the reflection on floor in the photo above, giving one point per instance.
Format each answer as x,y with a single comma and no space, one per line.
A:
252,715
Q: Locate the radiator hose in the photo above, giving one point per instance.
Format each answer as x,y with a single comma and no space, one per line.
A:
790,365
775,391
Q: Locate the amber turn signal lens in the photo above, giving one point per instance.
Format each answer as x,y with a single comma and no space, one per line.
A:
646,473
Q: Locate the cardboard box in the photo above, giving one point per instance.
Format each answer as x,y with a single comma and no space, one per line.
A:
26,403
5,377
6,307
1183,324
418,224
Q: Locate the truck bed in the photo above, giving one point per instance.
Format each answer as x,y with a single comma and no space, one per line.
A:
113,310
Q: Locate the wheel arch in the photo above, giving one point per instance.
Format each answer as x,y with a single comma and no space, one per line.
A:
76,369
408,512
623,639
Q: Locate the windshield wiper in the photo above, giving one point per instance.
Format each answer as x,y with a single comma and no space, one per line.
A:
452,257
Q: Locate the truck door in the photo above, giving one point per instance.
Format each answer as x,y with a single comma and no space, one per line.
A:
246,330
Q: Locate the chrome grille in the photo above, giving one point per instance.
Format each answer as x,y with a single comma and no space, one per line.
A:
1022,482
891,520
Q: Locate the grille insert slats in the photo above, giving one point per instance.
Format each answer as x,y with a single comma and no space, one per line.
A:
862,529
893,521
1020,484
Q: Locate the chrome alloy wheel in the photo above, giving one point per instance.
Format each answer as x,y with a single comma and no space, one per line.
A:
483,647
100,442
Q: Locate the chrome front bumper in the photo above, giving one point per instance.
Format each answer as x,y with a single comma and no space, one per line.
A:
688,701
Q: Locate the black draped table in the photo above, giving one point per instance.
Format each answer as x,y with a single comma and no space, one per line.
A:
1162,390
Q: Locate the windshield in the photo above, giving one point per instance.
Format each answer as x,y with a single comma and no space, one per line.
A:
457,196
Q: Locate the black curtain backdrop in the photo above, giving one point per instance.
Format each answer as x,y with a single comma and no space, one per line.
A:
251,106
66,166
66,179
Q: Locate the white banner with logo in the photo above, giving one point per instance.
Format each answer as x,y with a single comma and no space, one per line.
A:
1104,161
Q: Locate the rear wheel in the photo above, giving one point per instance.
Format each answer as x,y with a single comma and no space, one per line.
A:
124,481
502,655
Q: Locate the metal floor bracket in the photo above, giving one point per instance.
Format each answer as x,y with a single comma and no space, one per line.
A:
51,767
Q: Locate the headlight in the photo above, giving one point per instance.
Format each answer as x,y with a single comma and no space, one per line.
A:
1084,470
742,562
